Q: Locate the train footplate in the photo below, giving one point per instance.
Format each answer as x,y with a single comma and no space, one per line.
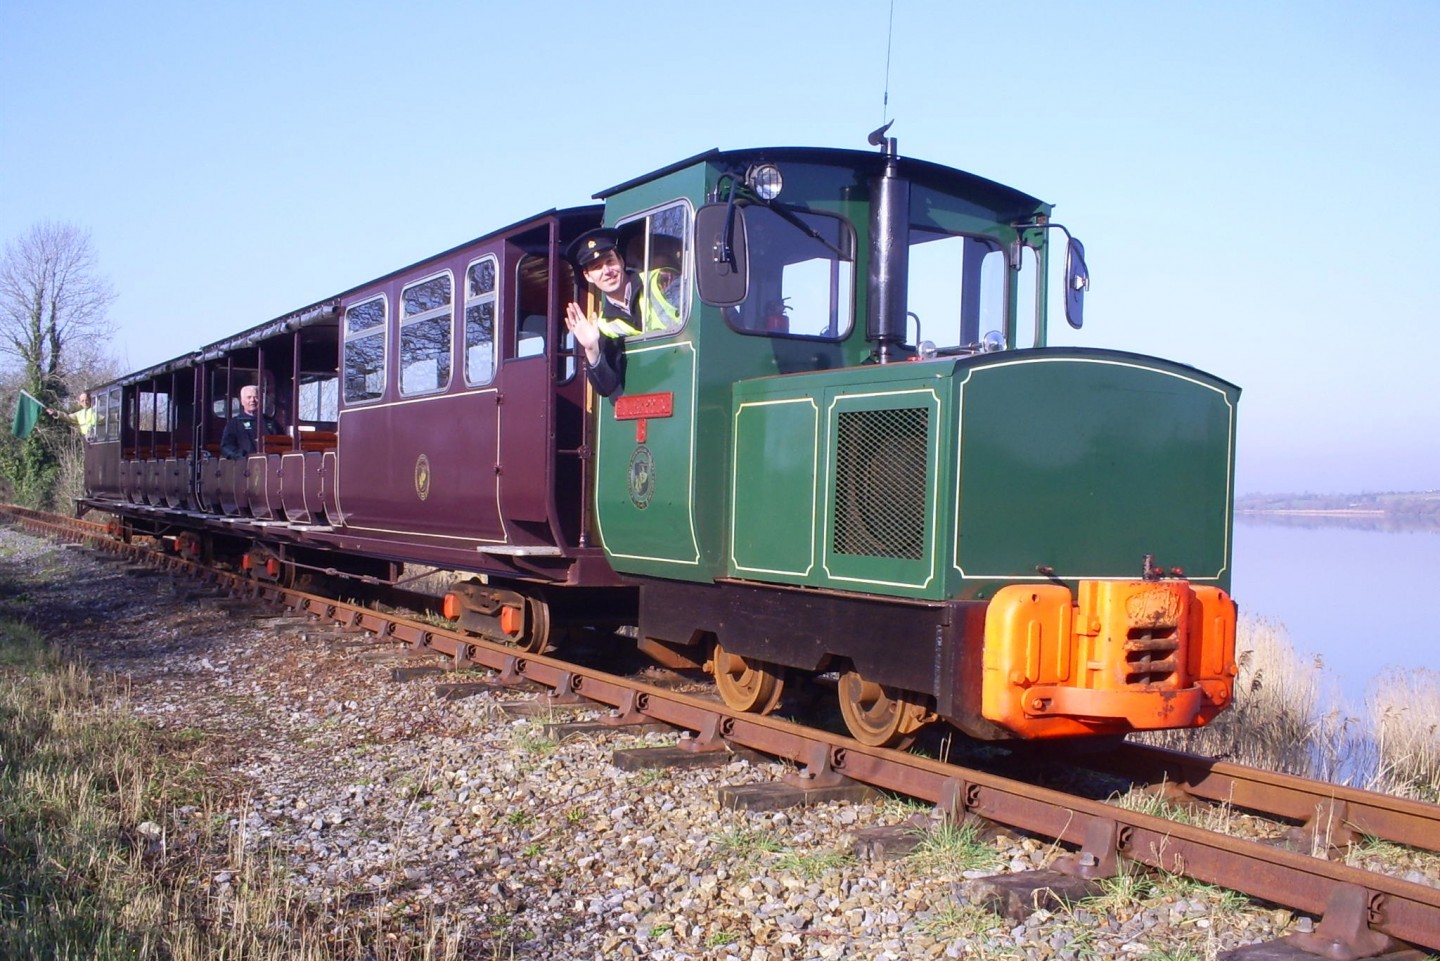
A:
1114,657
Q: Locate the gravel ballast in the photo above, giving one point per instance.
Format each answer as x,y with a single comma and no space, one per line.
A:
384,800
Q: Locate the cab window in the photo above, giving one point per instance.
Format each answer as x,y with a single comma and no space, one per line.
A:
656,247
802,275
957,289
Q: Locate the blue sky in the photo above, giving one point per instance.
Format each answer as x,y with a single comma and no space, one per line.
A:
1256,184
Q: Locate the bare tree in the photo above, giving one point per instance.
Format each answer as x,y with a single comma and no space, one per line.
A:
53,304
53,322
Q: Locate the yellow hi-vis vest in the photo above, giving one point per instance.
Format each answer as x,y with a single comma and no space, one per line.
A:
656,312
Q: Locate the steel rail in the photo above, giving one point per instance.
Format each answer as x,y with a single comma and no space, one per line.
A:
1335,812
1387,907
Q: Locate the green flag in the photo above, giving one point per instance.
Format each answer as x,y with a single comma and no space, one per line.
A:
27,412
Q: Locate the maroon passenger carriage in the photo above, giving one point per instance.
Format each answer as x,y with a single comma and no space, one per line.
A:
454,436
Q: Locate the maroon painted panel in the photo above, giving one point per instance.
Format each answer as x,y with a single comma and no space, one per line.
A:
102,468
234,497
177,482
327,489
210,498
425,465
525,439
155,483
256,493
292,487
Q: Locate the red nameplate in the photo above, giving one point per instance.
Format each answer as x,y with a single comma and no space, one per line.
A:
640,406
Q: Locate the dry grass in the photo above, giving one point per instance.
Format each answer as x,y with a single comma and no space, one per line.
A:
113,844
1288,717
70,479
1404,709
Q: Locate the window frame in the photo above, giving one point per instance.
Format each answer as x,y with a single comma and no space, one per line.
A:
493,297
424,317
382,329
843,298
686,266
998,288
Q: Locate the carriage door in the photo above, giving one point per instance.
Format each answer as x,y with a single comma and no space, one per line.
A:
482,426
524,464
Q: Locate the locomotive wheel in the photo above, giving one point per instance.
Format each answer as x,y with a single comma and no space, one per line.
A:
751,686
881,716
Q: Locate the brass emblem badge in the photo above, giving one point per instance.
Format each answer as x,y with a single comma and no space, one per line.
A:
642,477
422,476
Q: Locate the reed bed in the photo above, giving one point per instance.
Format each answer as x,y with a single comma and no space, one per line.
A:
1288,716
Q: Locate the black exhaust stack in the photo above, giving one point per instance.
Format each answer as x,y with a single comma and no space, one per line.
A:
889,253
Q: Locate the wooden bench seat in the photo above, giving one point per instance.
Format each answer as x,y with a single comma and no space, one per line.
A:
310,440
317,440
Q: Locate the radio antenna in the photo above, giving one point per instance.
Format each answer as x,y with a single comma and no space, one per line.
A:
889,35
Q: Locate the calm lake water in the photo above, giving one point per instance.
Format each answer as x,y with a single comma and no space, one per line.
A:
1361,594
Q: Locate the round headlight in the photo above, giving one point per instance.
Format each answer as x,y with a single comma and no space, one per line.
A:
765,180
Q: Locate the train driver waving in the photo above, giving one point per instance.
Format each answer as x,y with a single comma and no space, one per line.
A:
630,305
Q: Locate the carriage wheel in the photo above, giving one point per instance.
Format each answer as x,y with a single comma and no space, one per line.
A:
881,716
751,686
537,638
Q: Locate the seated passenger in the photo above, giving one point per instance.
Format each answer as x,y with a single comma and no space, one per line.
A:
238,440
629,305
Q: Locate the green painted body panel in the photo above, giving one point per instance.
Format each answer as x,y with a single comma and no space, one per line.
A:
1103,459
952,478
774,532
646,501
856,489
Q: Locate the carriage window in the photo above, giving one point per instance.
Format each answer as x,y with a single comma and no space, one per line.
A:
225,402
107,408
655,247
426,320
481,302
531,332
801,277
365,351
532,283
153,411
319,397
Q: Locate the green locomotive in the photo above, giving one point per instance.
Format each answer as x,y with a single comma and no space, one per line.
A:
851,453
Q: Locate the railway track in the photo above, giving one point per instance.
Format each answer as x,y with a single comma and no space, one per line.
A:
1359,913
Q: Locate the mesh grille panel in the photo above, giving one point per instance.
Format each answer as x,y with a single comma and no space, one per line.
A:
880,483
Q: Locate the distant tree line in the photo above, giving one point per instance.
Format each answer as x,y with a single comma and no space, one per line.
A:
1424,504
